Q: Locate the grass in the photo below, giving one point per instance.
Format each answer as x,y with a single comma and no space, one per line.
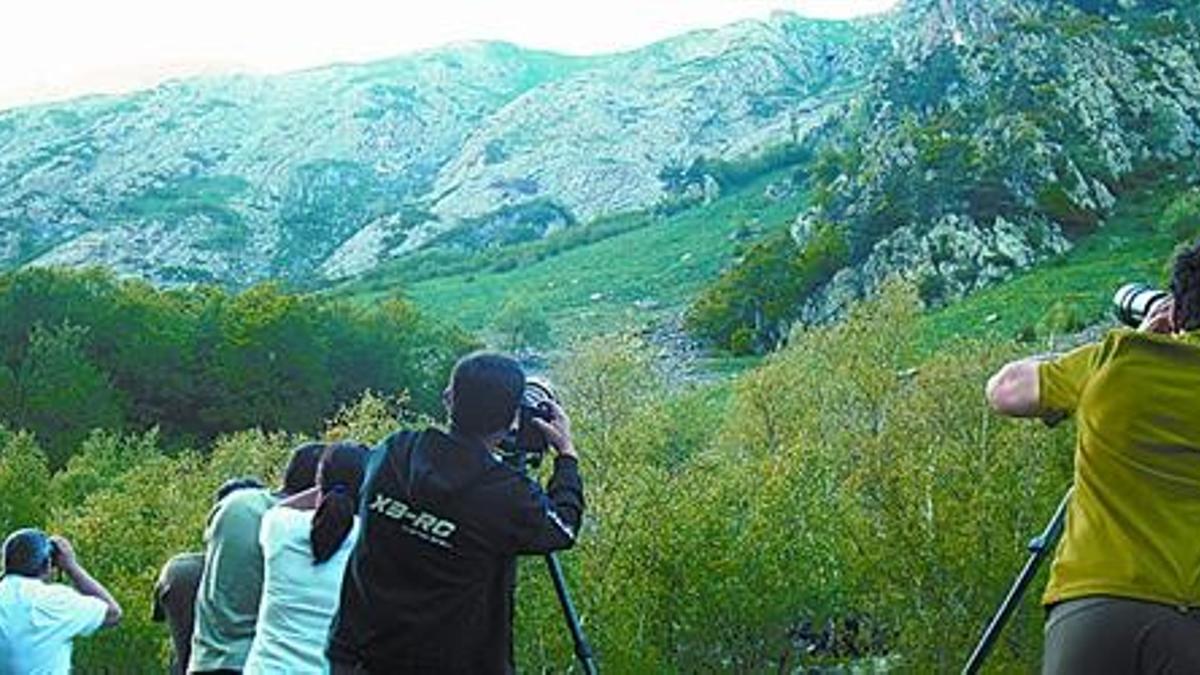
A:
639,278
644,271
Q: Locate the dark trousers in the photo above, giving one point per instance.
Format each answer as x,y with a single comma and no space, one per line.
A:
1116,635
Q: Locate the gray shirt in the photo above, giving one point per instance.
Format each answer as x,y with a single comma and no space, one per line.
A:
175,602
227,602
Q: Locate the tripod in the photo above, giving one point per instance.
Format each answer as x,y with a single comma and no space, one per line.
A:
583,650
1039,547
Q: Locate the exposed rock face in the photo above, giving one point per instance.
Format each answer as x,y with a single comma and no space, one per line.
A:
998,132
957,141
953,257
597,141
325,173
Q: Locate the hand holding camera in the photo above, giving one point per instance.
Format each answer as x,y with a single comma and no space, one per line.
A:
1160,319
62,554
557,429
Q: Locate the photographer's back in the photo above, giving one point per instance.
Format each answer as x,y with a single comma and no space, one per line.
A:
1131,524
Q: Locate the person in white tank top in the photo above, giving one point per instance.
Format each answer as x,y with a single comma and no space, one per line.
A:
306,541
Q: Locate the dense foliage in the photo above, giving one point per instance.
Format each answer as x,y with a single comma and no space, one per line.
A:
842,502
83,350
749,307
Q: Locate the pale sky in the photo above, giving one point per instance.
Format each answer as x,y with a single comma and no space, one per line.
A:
57,49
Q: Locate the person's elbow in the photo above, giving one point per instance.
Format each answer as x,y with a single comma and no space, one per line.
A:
1014,390
113,615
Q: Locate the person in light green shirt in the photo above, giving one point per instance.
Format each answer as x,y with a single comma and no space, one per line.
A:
231,585
1124,589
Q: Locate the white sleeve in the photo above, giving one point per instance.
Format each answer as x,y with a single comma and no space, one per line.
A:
68,611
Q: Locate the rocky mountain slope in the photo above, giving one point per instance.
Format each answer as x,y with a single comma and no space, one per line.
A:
1000,132
326,173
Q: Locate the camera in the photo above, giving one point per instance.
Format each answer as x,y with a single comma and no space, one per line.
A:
527,445
1134,301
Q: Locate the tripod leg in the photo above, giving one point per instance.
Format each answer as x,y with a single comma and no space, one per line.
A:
583,651
1039,548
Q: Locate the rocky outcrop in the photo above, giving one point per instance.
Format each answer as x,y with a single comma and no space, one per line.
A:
998,133
954,256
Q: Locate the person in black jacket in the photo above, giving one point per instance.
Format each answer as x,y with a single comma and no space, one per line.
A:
429,585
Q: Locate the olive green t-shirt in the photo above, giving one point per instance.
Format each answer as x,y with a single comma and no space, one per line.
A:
1133,525
230,587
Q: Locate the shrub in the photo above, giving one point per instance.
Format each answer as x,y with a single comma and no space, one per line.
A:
84,350
24,482
522,325
749,307
1075,220
841,482
1181,219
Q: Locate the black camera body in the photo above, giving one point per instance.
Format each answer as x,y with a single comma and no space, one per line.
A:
526,446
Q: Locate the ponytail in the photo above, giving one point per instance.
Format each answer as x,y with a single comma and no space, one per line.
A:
331,523
339,476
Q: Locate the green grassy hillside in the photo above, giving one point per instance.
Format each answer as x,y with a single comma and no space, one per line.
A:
646,271
641,271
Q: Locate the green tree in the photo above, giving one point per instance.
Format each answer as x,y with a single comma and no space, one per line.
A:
61,395
266,364
24,482
750,306
522,326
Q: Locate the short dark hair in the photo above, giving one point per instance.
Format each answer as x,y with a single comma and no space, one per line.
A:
234,484
1185,287
301,471
27,552
486,389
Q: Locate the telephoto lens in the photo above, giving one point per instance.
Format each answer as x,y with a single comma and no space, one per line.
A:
1134,301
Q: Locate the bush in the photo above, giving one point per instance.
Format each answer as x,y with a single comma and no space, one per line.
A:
748,308
841,482
522,326
24,482
838,488
1181,219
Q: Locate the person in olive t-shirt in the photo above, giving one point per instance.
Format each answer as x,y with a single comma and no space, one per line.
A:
230,587
174,598
1124,589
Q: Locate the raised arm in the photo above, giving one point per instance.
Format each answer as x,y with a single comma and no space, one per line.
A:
557,512
64,558
1014,390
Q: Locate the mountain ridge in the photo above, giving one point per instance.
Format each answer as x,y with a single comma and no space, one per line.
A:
326,172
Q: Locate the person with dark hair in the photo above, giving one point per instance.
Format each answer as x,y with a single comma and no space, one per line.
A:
1124,589
429,585
301,471
227,601
306,541
175,591
234,484
38,619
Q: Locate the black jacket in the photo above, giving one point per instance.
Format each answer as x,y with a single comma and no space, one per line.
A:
429,585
